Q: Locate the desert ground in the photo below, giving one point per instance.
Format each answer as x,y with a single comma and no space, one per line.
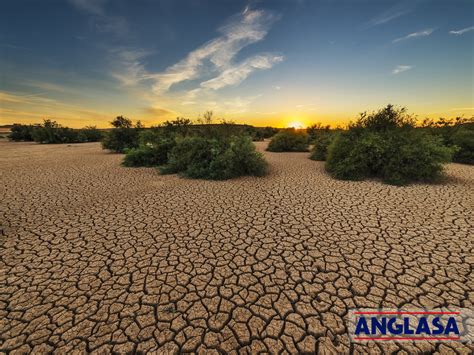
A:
96,257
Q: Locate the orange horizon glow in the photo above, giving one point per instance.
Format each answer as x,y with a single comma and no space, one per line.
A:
103,120
30,109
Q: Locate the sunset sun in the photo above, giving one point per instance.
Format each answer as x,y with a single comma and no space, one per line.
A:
296,125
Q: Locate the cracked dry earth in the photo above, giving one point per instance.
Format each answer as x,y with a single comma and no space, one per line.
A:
100,258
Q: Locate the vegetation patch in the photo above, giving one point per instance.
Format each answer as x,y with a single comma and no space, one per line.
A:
215,159
51,132
123,136
321,143
289,140
386,145
203,151
458,132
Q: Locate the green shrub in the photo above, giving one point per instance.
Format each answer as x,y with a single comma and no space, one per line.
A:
261,133
120,139
239,159
192,156
155,154
321,143
457,132
178,127
289,141
386,145
21,132
463,139
353,156
123,136
89,134
315,130
51,132
413,156
216,159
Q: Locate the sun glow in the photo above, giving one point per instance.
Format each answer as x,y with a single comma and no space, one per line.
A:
296,125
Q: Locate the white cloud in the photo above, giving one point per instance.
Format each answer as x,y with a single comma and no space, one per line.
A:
386,17
246,28
401,68
423,33
131,70
237,73
215,57
394,12
463,31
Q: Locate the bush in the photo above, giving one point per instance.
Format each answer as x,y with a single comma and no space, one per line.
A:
321,143
386,145
457,132
354,157
51,132
414,156
178,127
21,132
239,159
463,139
289,141
216,159
263,133
89,134
315,130
155,154
123,136
120,139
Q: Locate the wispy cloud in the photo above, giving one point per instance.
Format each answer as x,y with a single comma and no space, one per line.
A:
463,31
131,70
102,21
235,74
204,70
392,13
386,17
217,55
401,68
423,33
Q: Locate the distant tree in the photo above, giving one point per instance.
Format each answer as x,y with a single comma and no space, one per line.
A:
179,126
51,132
121,122
123,136
206,118
89,134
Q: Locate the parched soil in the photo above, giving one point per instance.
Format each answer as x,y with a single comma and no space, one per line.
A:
96,257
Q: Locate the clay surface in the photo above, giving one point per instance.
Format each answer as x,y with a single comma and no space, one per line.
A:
96,257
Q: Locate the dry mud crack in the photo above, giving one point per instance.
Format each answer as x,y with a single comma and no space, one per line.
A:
96,257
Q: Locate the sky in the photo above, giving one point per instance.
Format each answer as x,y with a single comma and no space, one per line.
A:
278,62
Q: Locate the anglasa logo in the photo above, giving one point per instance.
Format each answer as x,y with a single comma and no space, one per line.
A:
411,325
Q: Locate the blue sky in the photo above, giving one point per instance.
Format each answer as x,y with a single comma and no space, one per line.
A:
261,62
